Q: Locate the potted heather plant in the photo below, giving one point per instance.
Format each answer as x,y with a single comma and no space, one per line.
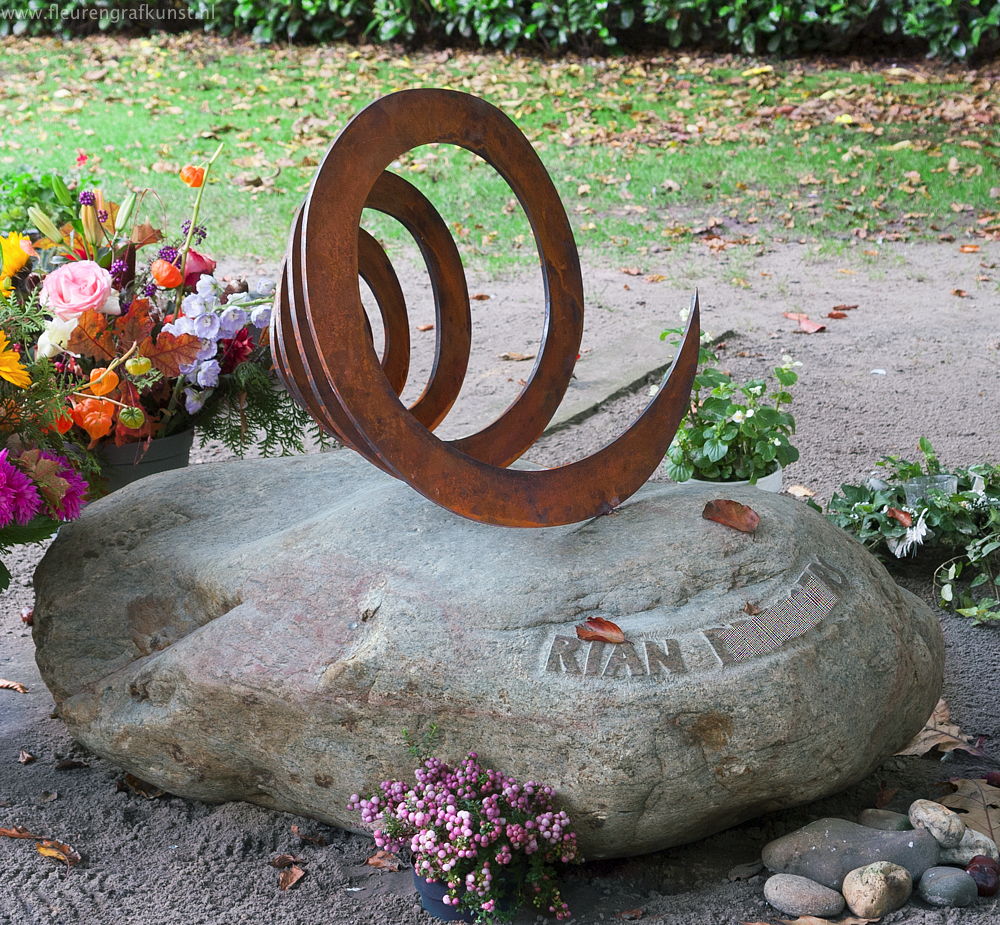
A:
482,843
737,433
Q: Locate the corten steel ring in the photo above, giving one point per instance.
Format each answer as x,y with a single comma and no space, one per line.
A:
325,353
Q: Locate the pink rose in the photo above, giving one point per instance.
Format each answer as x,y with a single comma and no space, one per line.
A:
73,288
197,266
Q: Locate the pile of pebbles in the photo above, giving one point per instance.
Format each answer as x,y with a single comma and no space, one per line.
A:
874,866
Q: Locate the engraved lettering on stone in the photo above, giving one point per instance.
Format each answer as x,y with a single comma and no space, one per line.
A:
594,659
562,655
623,656
664,659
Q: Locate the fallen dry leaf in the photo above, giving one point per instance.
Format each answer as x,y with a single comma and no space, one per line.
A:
751,608
17,831
479,297
139,787
844,308
732,514
47,796
969,249
745,871
59,851
13,686
800,491
631,271
978,804
284,860
425,327
837,315
384,860
516,357
941,733
901,516
816,920
70,764
961,293
312,839
654,278
290,876
25,757
600,630
806,325
631,914
28,615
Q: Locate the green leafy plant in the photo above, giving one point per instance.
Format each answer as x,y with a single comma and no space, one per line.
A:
955,524
733,431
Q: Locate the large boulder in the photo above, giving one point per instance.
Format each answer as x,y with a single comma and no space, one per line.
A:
265,630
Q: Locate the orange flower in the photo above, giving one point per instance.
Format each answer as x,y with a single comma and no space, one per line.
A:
193,176
103,381
95,417
165,274
63,423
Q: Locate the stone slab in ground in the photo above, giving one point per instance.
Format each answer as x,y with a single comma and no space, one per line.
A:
264,631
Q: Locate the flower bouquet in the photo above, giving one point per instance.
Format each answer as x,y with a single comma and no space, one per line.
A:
147,341
492,842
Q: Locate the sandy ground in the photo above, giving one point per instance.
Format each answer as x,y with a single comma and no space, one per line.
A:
168,860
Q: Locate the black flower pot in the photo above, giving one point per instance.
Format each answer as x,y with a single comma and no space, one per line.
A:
431,896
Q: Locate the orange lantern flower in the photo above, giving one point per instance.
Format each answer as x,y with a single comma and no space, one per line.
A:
62,424
103,381
165,274
95,417
193,176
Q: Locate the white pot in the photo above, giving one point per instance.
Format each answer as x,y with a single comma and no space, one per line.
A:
771,482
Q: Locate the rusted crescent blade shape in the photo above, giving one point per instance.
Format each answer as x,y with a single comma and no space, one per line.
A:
324,350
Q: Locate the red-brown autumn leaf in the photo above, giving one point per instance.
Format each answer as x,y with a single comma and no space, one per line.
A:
12,686
961,293
59,851
384,860
145,234
170,352
844,308
139,787
135,326
92,338
805,324
17,831
896,514
969,248
28,615
836,314
425,327
25,757
284,860
942,734
479,297
597,629
290,876
732,514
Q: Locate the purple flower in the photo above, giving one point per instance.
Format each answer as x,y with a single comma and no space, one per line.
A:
208,349
199,234
195,304
102,215
181,325
231,320
207,375
87,198
118,269
195,400
206,326
19,498
261,316
68,507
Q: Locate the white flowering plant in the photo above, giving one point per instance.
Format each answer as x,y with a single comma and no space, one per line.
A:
733,431
950,518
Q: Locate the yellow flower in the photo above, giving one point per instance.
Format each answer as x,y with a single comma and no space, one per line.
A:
14,254
11,367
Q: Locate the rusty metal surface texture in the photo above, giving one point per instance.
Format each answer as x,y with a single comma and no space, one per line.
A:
325,353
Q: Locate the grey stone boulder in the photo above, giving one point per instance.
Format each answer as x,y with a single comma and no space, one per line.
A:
947,886
264,630
944,824
973,843
800,896
885,819
827,850
877,889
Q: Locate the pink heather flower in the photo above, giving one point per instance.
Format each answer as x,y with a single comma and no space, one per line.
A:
73,288
19,498
72,501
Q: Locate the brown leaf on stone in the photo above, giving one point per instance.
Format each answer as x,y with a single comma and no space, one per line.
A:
12,686
138,787
598,629
479,297
961,293
751,608
384,860
59,851
290,876
977,803
312,839
70,764
836,315
631,271
284,860
732,514
516,357
902,516
92,338
25,757
941,733
969,249
425,327
844,308
17,831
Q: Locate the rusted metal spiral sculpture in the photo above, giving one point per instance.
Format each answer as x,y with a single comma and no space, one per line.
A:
325,353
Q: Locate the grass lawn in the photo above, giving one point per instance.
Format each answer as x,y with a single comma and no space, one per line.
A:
646,152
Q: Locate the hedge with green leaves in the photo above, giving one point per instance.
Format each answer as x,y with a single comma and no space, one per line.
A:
955,29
